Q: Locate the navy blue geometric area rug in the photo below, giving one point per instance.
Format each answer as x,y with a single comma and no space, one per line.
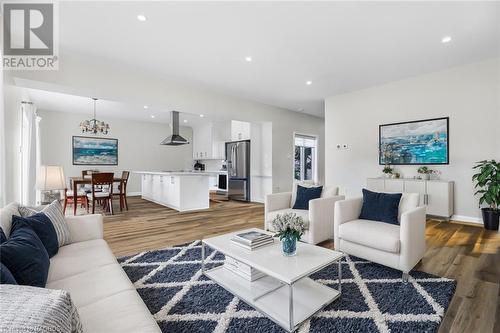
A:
374,298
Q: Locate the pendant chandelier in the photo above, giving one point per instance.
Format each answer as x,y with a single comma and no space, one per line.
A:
93,125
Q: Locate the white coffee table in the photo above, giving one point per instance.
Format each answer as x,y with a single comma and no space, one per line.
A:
286,294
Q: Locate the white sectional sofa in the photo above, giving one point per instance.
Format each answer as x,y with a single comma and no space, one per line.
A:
103,294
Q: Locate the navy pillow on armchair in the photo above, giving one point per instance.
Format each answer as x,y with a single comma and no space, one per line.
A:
383,207
25,257
304,194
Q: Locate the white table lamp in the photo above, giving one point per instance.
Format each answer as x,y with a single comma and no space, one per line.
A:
50,178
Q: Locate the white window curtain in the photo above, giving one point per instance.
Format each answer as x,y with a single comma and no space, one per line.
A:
29,153
3,192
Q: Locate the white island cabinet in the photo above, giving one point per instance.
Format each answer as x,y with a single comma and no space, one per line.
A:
182,191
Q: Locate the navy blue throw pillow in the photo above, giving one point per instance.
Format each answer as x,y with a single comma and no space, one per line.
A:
304,194
6,276
43,228
25,256
381,207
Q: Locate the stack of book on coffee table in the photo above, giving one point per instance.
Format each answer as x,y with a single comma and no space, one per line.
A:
247,272
252,240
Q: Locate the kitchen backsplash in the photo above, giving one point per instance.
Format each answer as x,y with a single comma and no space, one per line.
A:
211,165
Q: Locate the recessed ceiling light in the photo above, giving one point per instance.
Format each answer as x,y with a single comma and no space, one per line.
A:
309,83
141,17
185,120
446,39
152,116
145,106
201,115
248,59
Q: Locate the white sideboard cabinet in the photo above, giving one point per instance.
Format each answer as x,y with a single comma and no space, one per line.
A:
437,195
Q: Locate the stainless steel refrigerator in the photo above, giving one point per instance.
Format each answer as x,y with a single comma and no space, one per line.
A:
238,169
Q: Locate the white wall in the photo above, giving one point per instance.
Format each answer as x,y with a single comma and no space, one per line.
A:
108,80
13,97
138,145
469,95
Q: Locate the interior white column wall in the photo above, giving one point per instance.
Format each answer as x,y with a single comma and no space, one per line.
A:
469,95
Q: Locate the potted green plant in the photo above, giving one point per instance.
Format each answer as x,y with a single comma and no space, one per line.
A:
487,183
289,228
387,171
425,172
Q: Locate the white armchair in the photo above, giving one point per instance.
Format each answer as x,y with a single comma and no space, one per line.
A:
397,246
319,216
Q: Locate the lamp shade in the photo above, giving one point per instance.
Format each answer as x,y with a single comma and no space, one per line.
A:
50,177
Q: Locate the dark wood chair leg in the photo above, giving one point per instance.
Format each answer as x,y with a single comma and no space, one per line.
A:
125,200
121,203
65,204
93,205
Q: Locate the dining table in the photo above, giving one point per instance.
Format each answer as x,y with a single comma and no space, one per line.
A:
77,181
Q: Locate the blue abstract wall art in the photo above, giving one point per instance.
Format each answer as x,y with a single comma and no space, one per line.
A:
95,151
414,142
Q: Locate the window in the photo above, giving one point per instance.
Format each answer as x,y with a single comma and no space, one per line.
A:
305,168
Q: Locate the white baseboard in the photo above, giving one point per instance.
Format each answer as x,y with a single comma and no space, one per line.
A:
468,219
134,194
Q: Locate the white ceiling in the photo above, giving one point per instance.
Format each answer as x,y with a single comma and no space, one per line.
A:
105,109
339,46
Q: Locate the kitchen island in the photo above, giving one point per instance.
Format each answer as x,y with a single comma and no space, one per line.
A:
179,190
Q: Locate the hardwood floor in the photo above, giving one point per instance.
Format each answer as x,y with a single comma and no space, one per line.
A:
148,226
469,254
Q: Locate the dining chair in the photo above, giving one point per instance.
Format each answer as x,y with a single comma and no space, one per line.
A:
100,180
121,191
81,198
88,174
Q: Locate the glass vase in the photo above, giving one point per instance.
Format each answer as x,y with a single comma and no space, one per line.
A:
289,246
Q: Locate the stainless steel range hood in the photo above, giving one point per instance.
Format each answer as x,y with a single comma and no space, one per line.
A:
175,139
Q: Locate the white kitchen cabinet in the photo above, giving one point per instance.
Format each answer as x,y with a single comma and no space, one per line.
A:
209,141
202,142
436,195
182,191
240,130
147,186
173,191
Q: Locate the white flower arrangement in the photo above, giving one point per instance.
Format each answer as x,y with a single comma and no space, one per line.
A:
289,225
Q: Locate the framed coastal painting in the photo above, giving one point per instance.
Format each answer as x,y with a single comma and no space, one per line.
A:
415,142
94,151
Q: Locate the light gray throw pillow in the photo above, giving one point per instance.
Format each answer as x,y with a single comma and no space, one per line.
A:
54,212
